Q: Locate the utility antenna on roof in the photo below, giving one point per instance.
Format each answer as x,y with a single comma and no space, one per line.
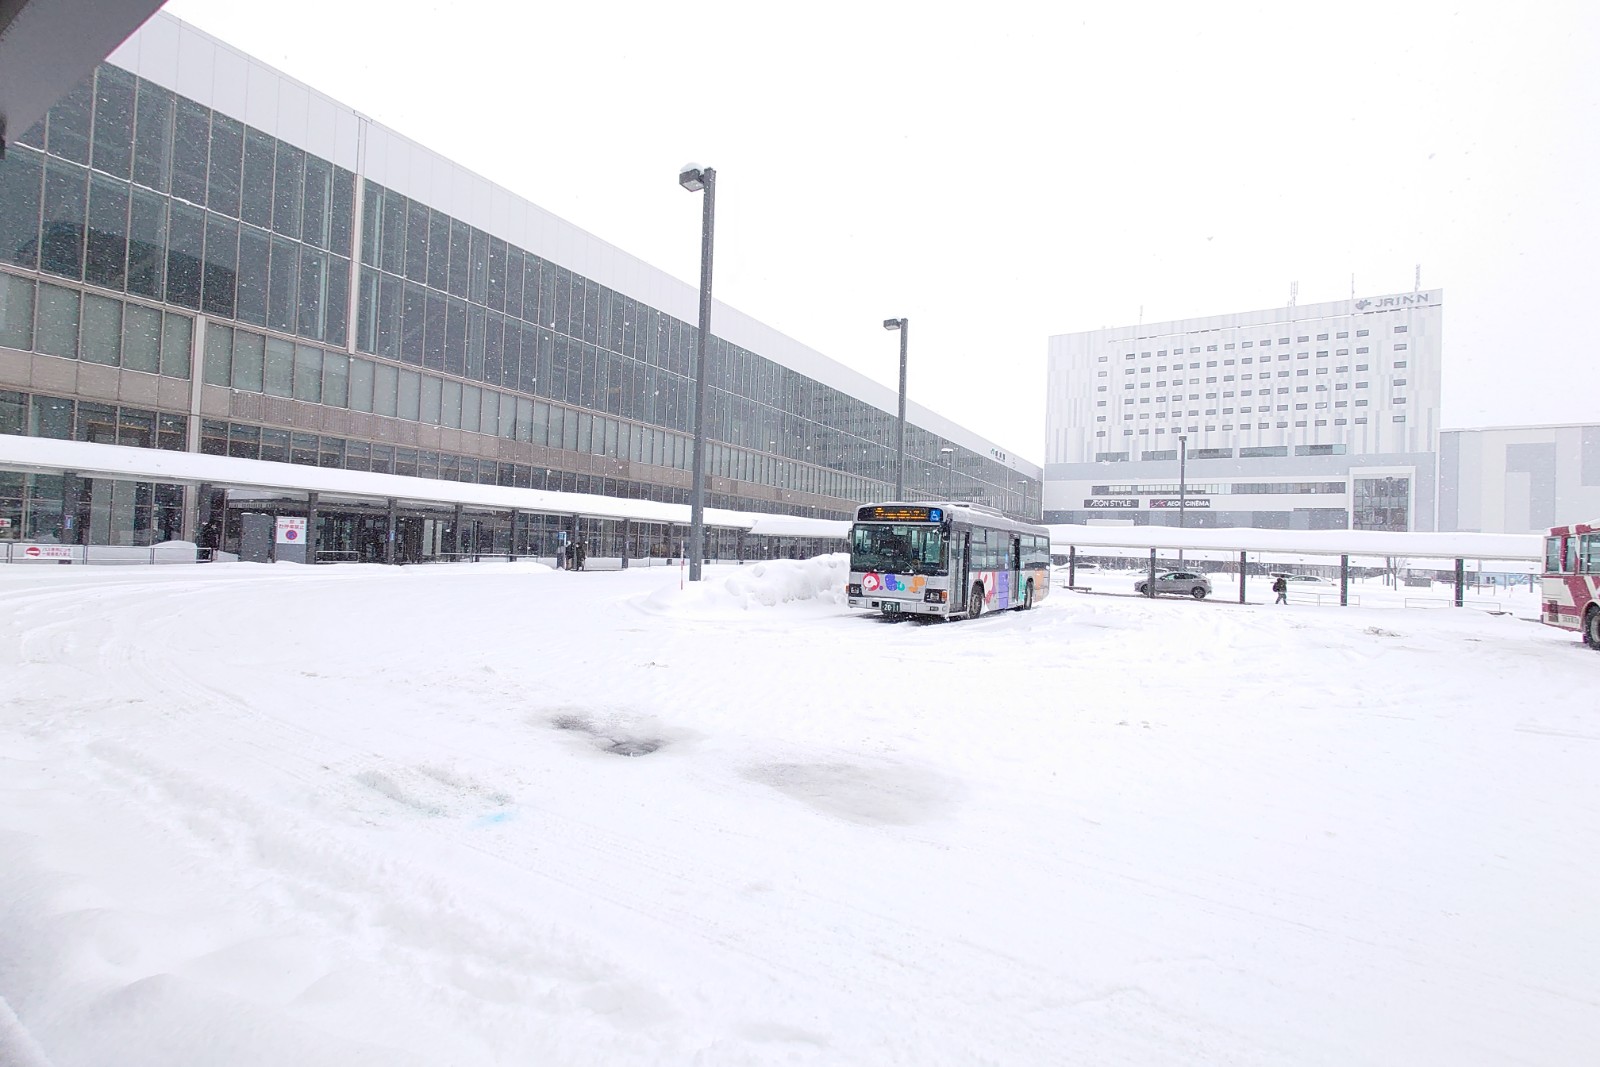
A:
1352,285
1294,292
1416,285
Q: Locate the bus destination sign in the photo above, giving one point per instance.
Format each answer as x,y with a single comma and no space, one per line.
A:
900,513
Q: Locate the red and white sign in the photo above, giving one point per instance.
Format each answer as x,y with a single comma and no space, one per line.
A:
291,530
47,551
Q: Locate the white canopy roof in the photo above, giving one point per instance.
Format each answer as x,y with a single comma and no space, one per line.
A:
191,468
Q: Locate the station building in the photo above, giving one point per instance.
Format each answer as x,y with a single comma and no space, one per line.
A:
199,254
1318,416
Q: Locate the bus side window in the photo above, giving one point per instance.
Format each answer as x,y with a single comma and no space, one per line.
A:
1552,555
1569,563
1589,553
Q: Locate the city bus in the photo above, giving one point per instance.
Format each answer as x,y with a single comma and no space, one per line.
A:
1570,585
945,560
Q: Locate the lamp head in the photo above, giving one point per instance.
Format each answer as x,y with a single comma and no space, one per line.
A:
692,177
893,324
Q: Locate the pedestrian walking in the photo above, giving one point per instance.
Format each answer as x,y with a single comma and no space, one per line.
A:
583,554
1281,587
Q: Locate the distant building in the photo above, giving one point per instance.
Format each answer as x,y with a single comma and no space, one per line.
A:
1321,416
1519,479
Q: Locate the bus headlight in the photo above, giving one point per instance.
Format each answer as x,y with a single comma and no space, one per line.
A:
852,590
934,596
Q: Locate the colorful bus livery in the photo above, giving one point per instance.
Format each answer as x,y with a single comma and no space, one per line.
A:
944,560
1570,586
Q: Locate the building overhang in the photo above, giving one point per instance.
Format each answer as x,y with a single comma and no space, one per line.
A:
49,46
124,462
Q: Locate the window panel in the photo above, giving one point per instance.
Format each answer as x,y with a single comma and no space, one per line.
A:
335,379
438,276
409,395
471,407
279,376
100,335
342,214
221,266
255,201
429,406
226,165
253,276
107,245
288,189
136,428
392,233
283,285
450,404
218,365
249,360
435,325
384,380
489,413
313,292
21,191
16,312
152,139
65,203
360,385
317,220
69,124
455,338
460,257
56,332
190,133
416,258
308,374
177,344
147,244
185,243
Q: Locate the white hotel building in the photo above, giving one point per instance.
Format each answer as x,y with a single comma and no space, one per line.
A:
1321,416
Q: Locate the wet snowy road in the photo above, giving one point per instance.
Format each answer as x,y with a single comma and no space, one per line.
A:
494,814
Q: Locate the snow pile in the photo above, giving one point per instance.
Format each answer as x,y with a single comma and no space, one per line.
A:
768,584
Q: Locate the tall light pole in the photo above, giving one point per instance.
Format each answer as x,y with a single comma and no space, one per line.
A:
949,477
1183,481
900,466
696,178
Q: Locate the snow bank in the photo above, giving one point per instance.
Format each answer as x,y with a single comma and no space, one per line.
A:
760,585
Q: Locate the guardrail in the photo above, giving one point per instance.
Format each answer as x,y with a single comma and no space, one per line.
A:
171,552
1300,596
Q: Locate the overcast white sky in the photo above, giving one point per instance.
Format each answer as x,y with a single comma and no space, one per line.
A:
1002,172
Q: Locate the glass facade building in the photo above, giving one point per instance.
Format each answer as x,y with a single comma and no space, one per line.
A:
250,276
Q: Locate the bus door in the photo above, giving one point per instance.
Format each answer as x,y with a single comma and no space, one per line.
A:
960,566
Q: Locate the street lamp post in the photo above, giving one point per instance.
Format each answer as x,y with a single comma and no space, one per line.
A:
1183,481
949,476
900,465
696,178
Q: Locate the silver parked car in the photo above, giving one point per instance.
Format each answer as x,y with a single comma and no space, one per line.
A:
1185,583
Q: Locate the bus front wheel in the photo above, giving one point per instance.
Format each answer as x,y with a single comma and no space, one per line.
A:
975,601
1591,627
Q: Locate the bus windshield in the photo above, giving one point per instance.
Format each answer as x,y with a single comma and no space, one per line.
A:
896,548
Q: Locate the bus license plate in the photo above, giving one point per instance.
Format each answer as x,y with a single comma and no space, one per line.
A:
890,607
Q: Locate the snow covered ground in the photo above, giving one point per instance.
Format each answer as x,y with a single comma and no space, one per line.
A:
495,814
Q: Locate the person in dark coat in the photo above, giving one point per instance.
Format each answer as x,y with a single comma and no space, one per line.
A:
1281,587
582,554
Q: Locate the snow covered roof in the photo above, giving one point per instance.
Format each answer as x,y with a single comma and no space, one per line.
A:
191,468
1309,542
